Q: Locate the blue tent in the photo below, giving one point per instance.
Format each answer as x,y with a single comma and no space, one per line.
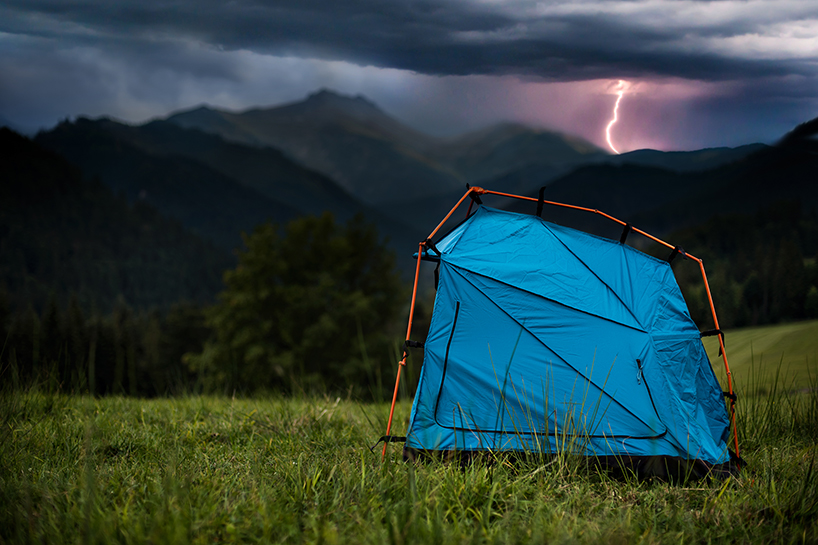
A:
544,338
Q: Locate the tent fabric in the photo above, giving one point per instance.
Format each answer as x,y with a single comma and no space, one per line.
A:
544,338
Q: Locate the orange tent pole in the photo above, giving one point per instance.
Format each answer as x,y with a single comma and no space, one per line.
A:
573,207
402,362
724,356
476,190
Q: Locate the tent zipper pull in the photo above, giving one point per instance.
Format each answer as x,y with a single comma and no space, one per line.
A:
639,372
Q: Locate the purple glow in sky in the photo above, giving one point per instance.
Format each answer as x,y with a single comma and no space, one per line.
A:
701,73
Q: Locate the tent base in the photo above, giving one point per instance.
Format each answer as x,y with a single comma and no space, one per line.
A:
666,468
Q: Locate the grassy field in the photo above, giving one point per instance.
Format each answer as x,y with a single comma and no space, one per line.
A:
214,469
756,354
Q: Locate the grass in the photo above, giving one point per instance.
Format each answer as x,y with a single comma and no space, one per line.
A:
214,469
77,469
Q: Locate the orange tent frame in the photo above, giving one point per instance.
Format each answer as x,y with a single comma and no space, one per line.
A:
475,191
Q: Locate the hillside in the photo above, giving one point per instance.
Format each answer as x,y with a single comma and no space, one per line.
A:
61,234
384,163
507,147
203,199
215,187
684,161
785,172
262,169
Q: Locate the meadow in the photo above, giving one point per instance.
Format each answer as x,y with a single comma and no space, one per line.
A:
788,349
80,469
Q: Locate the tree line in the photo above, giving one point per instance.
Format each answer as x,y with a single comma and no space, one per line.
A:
312,307
762,267
124,352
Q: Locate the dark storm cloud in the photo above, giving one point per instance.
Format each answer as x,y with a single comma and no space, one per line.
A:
554,41
701,72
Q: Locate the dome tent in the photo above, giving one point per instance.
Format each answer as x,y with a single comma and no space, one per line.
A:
544,338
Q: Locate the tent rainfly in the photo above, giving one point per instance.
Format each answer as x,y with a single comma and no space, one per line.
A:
545,339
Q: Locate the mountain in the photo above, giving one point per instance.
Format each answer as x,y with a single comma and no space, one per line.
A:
389,166
378,159
203,199
381,161
601,181
269,172
264,170
506,147
61,234
784,172
216,187
5,122
348,139
684,161
804,136
220,172
662,200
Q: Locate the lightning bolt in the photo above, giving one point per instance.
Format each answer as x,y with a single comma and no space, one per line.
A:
619,93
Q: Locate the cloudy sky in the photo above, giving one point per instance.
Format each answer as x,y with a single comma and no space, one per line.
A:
693,73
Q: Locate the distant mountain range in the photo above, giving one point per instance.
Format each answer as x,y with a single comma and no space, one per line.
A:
216,188
219,173
207,201
383,162
388,165
663,200
380,160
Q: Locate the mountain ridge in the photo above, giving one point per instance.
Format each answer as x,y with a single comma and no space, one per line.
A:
201,198
508,157
215,187
336,134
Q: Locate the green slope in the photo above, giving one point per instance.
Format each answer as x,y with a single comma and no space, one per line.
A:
756,354
508,148
350,140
